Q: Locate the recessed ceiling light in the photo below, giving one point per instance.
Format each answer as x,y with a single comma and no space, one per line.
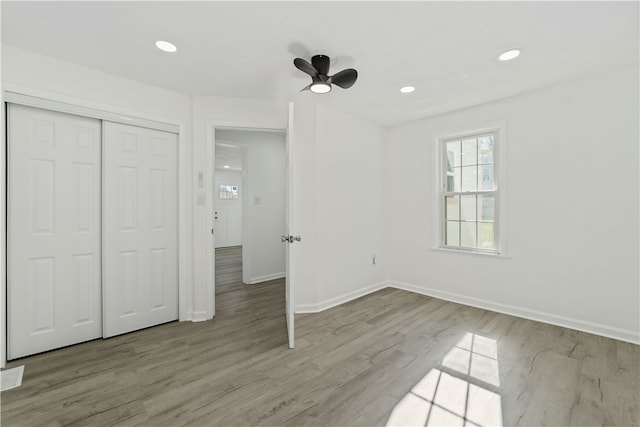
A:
166,46
509,55
226,166
407,89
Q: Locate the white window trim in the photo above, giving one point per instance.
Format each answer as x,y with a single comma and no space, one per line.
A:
500,176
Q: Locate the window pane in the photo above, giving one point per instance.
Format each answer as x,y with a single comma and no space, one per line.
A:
453,180
468,208
485,208
228,192
469,152
453,208
486,235
453,233
485,149
485,178
468,234
453,154
469,178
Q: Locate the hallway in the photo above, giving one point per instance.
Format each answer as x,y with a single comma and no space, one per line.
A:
229,265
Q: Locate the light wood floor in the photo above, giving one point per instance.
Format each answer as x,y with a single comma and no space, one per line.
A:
392,356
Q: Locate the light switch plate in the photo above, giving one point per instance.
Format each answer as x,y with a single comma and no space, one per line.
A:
200,199
257,200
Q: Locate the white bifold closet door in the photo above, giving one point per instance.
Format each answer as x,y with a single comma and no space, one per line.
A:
53,257
140,228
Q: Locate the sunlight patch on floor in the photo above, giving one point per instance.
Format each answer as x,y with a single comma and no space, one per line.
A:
450,399
476,356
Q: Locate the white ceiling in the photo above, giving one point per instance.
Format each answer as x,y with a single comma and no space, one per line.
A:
245,49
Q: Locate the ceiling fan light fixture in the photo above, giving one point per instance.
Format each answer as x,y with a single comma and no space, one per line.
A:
509,55
320,87
166,46
407,89
321,81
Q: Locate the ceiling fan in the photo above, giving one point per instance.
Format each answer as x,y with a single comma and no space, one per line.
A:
319,72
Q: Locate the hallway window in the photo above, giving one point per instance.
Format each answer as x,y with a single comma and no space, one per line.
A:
470,192
228,192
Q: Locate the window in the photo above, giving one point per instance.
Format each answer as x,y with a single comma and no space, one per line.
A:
470,192
228,192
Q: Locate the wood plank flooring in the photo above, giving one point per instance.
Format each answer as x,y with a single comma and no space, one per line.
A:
228,265
390,357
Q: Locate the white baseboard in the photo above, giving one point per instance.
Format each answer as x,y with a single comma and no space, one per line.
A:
341,299
553,319
626,335
197,316
306,308
260,279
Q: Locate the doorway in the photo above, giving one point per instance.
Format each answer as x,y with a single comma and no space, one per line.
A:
249,206
260,242
228,193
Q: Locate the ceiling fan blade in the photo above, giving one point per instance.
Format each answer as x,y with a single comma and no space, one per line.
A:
304,66
321,63
345,78
306,88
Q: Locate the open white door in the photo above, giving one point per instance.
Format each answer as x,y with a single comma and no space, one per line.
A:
289,251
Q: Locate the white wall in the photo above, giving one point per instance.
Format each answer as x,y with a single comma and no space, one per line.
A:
36,71
349,205
264,169
305,205
338,204
228,226
572,207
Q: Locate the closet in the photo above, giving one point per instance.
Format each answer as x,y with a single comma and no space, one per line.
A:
91,229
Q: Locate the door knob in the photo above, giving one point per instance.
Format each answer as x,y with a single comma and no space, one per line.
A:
284,239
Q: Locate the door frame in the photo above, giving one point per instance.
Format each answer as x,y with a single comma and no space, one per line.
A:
24,95
210,173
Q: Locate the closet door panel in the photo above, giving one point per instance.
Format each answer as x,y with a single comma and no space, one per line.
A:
140,228
53,263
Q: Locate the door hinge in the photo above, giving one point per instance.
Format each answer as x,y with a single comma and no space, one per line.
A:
290,239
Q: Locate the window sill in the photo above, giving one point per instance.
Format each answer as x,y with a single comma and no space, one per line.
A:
473,253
